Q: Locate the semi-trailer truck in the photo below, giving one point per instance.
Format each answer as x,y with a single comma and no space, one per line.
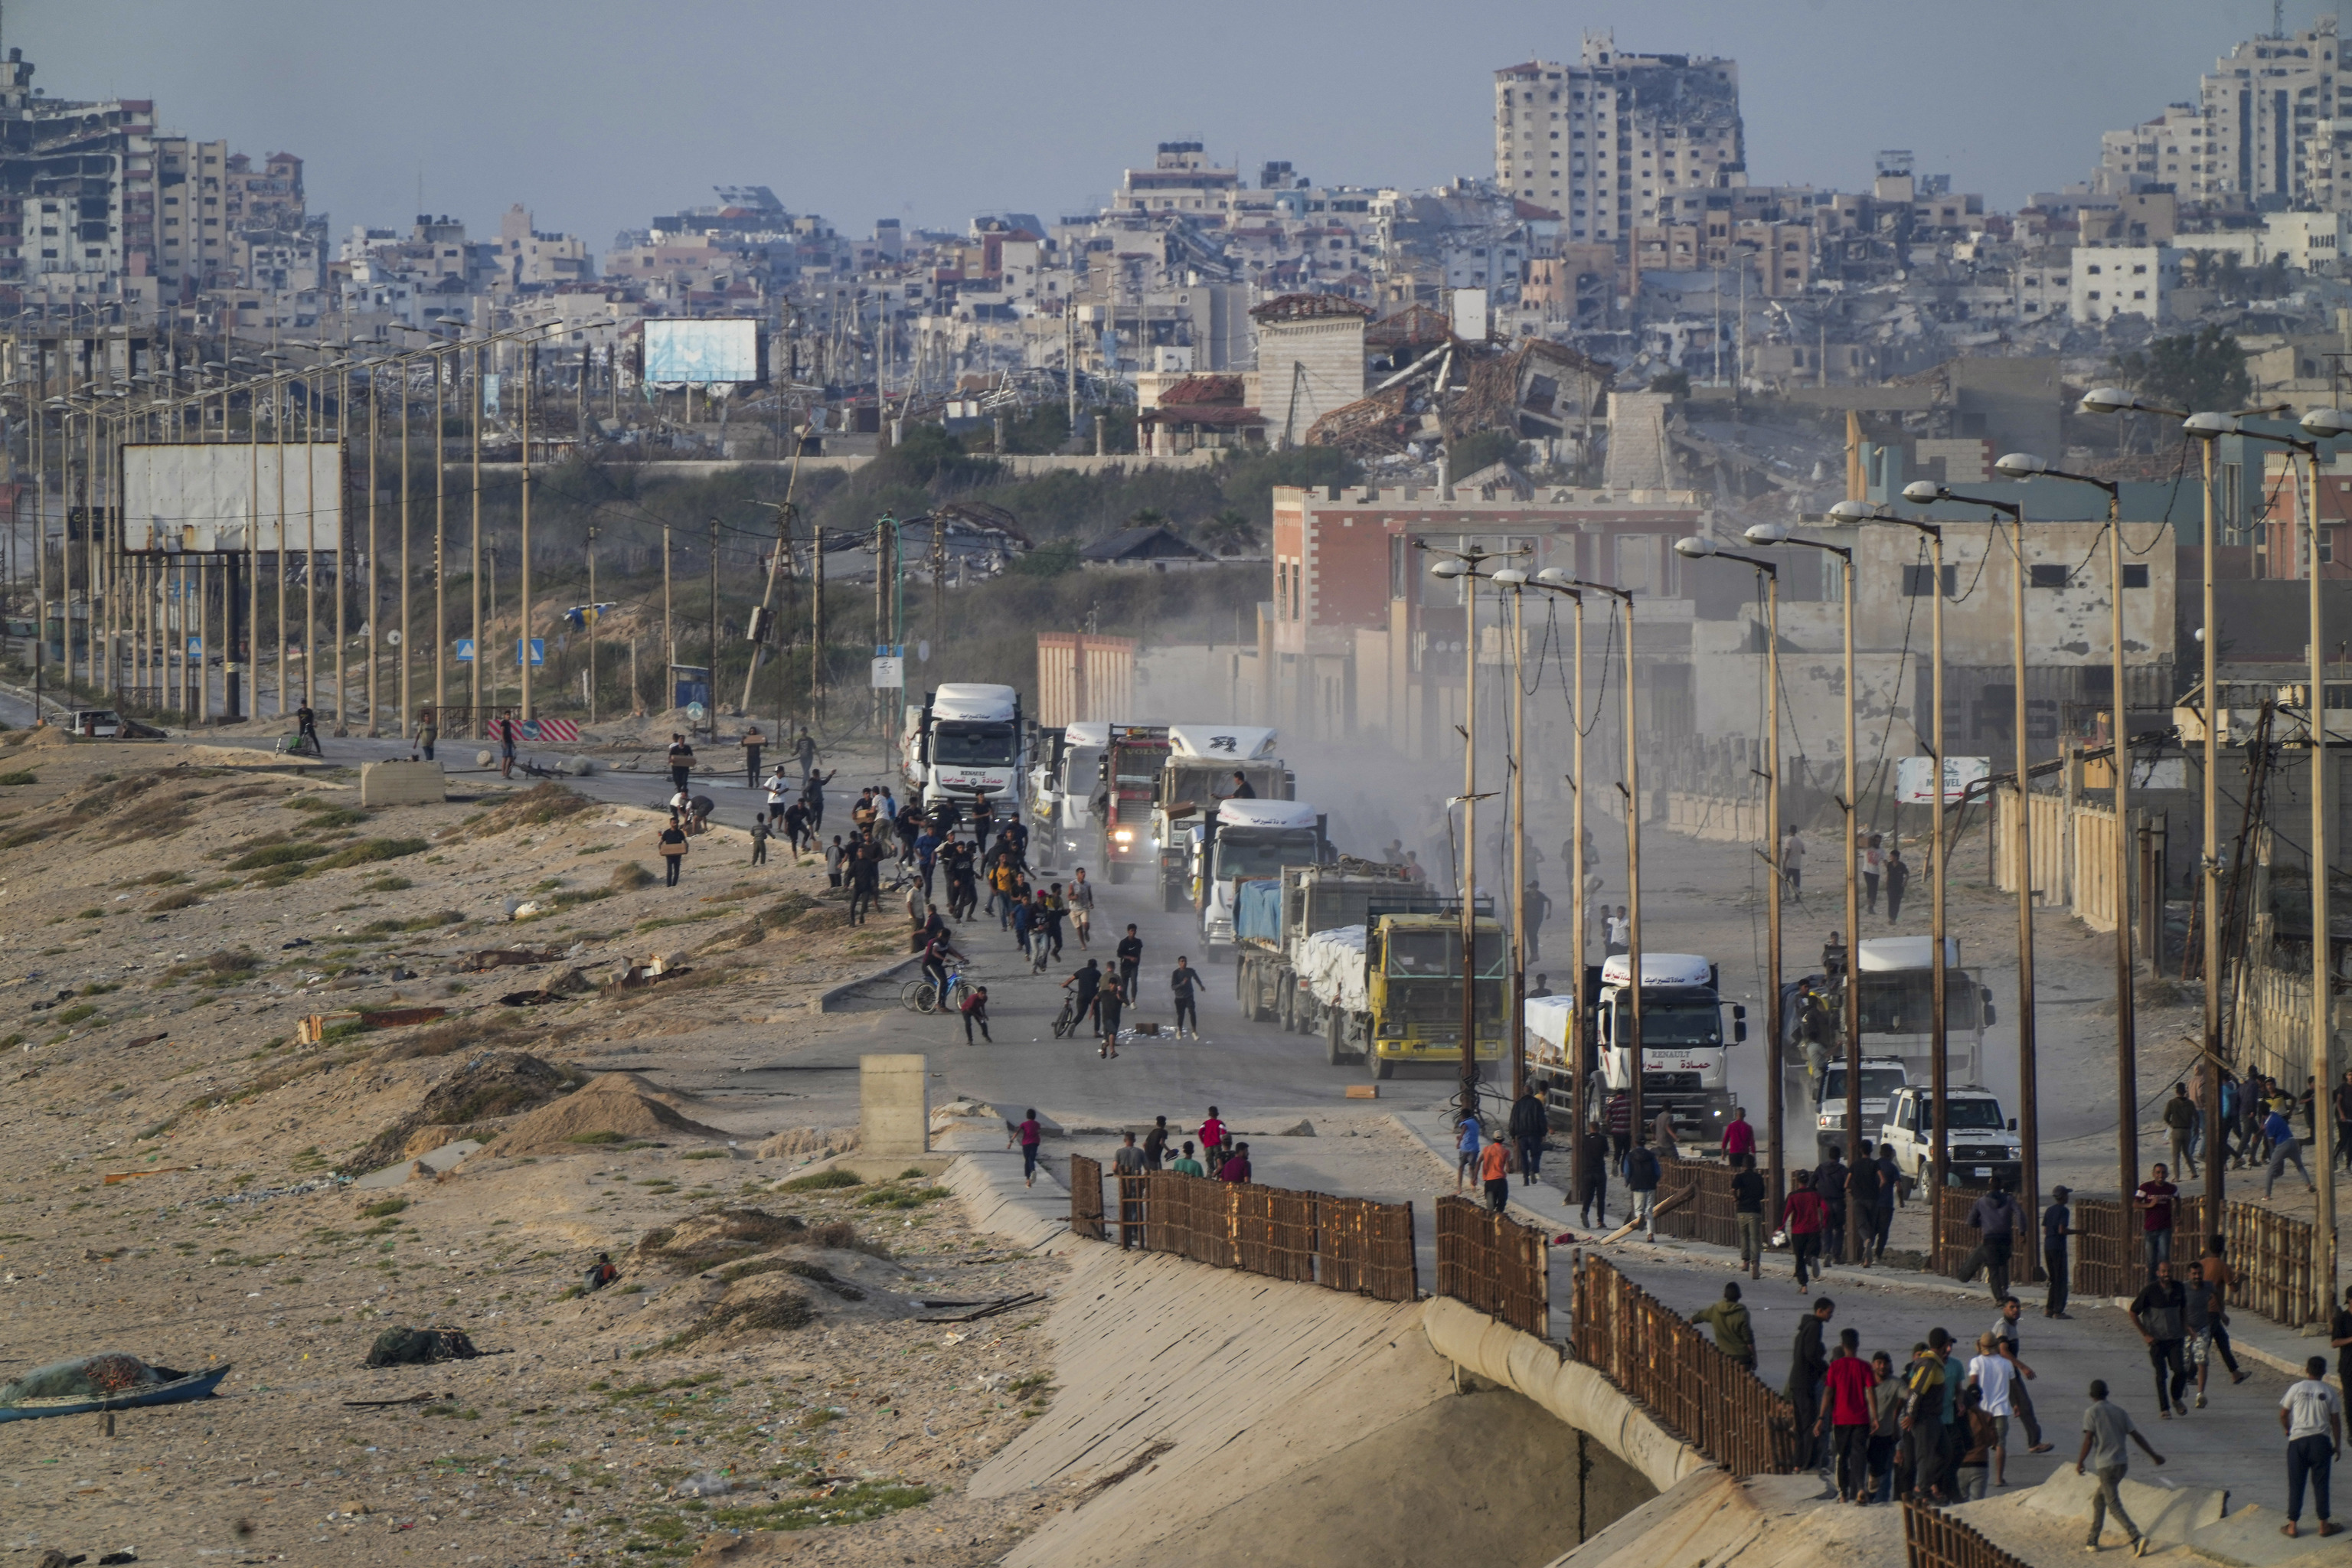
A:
1250,840
1195,781
967,740
1126,781
1061,792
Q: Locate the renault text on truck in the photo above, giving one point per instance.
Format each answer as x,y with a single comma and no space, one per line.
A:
1252,840
1061,792
1126,782
1684,1065
1195,782
966,740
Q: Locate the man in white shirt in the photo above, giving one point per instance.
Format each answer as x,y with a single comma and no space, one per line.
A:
2311,1416
1991,1373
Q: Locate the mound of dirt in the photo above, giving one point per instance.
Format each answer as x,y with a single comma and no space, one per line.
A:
534,807
803,1142
721,1236
494,1085
617,1107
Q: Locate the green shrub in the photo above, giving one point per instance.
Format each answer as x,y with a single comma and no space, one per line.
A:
824,1181
369,851
271,855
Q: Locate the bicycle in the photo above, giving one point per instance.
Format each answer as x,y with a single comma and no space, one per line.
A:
1068,1018
923,996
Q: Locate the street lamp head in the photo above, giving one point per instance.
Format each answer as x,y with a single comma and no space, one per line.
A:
1554,578
2108,400
1769,533
2328,421
1695,547
2208,425
1448,569
1510,577
1854,512
1921,492
2020,466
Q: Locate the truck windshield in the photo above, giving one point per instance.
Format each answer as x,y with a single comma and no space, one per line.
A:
1262,852
1667,1025
1198,785
968,743
1975,1115
1904,1002
1081,766
1877,1083
1437,954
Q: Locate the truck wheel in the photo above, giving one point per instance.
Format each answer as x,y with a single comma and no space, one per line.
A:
1118,873
1286,1010
1171,897
1382,1069
1332,1030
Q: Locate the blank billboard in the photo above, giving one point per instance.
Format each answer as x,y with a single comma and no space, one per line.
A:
702,352
206,497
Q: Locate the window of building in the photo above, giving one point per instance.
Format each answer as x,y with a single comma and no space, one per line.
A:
1917,578
2047,577
2136,576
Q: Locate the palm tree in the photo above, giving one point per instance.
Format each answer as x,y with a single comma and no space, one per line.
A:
1229,533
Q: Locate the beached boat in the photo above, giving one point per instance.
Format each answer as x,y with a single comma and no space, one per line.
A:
111,1380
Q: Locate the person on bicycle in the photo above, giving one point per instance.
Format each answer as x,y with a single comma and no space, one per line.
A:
1082,904
1084,987
974,1008
306,728
933,928
936,954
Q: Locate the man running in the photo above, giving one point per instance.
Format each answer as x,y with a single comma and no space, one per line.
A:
1083,987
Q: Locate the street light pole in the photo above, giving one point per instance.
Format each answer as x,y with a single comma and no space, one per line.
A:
2029,1110
1516,757
1699,548
1939,1045
1778,533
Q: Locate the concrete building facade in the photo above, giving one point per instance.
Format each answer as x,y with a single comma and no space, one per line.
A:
1600,141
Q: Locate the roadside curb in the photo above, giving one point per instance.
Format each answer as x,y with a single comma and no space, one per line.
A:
828,1000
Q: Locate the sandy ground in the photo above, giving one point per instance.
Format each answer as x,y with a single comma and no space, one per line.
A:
173,921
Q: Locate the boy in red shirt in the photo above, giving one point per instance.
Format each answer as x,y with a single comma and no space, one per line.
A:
1803,1215
1848,1414
1213,1138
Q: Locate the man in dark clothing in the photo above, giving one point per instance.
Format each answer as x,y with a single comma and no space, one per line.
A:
306,724
812,795
1529,1122
1083,986
1155,1143
681,760
1899,877
1593,1182
1130,953
754,743
1806,1365
1182,981
1242,790
1995,1219
2342,1099
1747,1211
1539,906
864,883
1829,1181
1890,1193
2160,1313
1862,1190
2057,1224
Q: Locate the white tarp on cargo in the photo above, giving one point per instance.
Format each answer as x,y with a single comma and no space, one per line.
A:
1549,1019
205,496
1332,964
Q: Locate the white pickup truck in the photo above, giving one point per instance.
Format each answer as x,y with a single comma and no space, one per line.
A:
1983,1142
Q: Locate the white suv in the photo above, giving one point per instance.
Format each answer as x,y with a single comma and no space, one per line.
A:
1983,1142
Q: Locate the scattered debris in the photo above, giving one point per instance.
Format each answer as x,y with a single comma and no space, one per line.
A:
116,1178
504,958
420,1347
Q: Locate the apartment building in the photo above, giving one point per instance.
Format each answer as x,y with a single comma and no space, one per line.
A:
1600,141
2263,130
2107,281
1181,179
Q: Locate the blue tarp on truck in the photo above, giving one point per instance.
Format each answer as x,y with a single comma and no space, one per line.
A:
1258,910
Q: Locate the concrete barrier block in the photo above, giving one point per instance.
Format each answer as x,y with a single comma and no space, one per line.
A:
402,783
893,1105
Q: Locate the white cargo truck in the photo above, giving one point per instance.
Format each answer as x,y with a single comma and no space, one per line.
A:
966,740
1684,1065
1248,839
1061,793
1195,781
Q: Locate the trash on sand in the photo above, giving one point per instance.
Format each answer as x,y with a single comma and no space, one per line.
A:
709,1483
420,1347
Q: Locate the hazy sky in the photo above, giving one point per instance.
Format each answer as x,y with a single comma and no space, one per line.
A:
599,113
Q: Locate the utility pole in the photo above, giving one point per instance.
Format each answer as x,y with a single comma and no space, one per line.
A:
407,527
474,548
710,714
591,623
441,549
670,629
816,622
529,366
